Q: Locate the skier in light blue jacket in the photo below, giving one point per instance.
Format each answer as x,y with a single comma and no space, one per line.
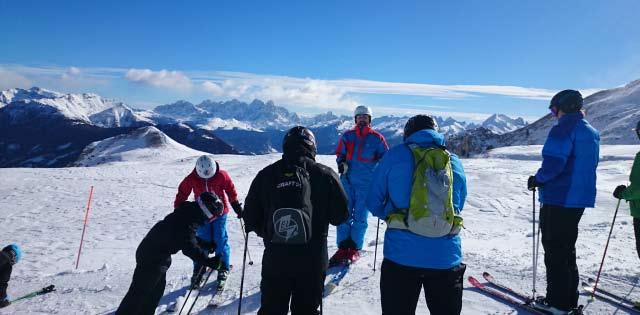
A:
413,261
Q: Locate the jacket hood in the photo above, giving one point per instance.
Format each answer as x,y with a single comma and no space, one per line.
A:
426,137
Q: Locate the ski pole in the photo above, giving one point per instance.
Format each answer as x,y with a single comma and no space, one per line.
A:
198,295
595,286
42,291
245,239
375,252
200,271
533,243
244,260
84,227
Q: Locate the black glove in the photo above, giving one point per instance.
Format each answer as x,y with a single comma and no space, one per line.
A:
343,167
213,262
532,183
618,191
209,246
237,208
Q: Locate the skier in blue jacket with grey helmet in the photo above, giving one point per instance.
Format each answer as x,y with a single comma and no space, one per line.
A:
567,181
416,257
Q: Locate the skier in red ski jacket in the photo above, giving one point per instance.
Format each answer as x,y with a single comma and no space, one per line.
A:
207,176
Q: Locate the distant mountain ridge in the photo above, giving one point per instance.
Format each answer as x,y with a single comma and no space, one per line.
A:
614,113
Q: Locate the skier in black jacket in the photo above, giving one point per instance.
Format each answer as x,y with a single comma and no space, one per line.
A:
294,271
177,231
9,256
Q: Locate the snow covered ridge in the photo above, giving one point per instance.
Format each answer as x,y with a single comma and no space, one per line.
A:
140,145
614,113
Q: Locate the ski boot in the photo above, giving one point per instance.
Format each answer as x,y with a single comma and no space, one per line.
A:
223,274
340,257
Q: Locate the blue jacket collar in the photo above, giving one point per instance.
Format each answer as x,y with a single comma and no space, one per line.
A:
571,117
425,138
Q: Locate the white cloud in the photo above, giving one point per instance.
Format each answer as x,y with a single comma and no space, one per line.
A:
163,79
212,88
71,73
11,79
308,94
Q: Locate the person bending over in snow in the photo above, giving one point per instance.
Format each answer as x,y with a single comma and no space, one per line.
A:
419,189
177,231
208,176
9,256
632,194
567,181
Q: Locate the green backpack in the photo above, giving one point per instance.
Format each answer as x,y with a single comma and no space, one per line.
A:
430,210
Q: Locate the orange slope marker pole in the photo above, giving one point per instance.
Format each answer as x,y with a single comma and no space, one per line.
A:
86,219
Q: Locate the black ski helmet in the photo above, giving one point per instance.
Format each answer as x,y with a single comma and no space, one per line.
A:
210,204
300,140
568,101
419,122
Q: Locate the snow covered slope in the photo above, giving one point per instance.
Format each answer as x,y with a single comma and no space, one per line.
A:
43,210
120,115
141,145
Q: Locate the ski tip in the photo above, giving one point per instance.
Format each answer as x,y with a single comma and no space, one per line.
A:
475,282
487,276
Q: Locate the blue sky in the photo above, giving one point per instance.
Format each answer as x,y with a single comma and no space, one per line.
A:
466,59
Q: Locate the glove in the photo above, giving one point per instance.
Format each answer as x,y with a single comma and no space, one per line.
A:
213,262
532,183
206,245
618,191
237,208
343,167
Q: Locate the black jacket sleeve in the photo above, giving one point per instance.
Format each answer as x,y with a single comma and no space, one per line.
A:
4,260
190,246
253,214
338,204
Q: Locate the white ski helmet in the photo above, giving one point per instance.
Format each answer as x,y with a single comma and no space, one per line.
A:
206,167
362,110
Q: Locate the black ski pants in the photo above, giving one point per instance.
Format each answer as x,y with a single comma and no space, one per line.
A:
636,229
400,288
559,227
5,275
300,290
146,290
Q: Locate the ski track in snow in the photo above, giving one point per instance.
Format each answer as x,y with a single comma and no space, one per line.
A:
43,211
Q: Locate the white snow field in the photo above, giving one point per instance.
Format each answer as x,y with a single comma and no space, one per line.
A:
43,211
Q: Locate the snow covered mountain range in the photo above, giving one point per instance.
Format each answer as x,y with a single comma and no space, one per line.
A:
46,128
216,127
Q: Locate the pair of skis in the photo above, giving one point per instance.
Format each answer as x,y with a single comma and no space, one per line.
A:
510,296
500,291
615,299
185,303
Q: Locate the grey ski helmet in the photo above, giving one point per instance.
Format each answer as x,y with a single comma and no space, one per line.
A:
363,110
568,101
